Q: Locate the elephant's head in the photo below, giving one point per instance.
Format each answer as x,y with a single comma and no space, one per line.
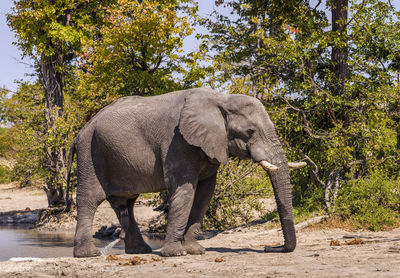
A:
238,126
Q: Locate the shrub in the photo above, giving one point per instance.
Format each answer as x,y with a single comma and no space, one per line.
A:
4,174
372,202
238,197
7,145
308,197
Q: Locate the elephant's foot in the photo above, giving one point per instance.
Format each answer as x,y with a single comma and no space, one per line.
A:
173,249
193,248
134,244
139,249
86,250
190,240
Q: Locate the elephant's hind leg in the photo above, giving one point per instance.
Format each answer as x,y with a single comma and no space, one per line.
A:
134,243
87,203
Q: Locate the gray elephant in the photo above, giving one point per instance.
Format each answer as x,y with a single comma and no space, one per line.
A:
176,142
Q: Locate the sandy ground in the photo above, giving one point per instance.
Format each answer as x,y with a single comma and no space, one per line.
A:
14,198
235,253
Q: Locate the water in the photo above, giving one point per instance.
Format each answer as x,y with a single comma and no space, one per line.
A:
23,242
106,250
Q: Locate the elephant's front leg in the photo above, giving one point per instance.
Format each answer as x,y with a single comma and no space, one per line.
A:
180,203
204,192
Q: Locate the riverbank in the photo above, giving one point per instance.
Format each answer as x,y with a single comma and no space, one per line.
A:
234,253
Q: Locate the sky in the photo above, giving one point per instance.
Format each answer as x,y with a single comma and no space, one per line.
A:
13,68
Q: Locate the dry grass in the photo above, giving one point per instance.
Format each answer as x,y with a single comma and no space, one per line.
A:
333,222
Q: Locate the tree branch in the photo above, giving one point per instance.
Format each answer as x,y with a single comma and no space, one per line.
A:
306,124
355,15
315,170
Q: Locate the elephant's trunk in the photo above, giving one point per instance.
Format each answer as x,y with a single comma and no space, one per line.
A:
283,195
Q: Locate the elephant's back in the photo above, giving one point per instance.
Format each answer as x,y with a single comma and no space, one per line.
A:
146,116
154,116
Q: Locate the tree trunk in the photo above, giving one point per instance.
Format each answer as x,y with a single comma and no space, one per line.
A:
55,159
398,145
51,80
331,193
339,53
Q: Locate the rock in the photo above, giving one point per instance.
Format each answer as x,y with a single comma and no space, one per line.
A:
107,232
15,218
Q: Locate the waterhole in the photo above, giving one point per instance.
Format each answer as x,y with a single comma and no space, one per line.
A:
25,242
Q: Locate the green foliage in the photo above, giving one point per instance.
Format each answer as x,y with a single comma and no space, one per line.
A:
139,51
372,202
4,174
271,215
281,53
239,194
23,109
307,197
7,145
45,28
32,141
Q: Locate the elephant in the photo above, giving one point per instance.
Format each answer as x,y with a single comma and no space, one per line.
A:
174,141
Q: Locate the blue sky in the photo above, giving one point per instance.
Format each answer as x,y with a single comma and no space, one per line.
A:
12,68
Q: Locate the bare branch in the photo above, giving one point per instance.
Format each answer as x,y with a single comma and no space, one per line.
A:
391,5
333,180
306,125
316,6
315,170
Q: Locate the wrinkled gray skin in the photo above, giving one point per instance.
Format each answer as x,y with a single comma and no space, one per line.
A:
176,142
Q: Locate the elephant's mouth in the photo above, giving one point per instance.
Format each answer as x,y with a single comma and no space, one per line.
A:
248,151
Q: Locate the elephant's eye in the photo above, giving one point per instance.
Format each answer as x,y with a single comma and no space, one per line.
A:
250,131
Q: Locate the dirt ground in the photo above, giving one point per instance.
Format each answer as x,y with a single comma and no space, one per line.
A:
234,253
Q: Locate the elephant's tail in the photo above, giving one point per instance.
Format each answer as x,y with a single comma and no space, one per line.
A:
68,200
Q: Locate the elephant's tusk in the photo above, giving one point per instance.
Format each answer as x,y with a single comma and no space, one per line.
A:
297,165
268,166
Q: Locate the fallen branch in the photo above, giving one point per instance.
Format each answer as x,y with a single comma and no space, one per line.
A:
311,221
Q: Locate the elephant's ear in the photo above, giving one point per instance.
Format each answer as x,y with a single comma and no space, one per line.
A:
202,124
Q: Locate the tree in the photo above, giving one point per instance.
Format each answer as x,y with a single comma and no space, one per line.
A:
331,88
138,51
339,52
48,32
24,110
